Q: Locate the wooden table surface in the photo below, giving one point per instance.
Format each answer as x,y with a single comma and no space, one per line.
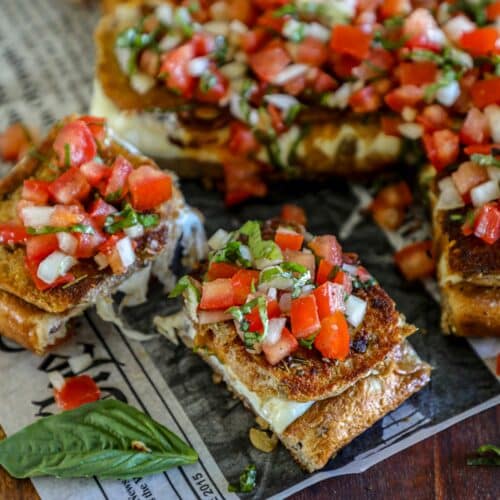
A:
432,469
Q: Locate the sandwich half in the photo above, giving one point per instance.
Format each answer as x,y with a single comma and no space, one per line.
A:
79,216
303,334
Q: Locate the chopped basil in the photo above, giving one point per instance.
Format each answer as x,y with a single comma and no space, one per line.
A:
485,160
207,81
247,481
185,283
128,217
194,6
114,196
287,275
76,228
238,313
292,113
457,217
182,19
387,43
476,9
489,454
135,40
67,155
448,76
259,248
286,10
394,22
357,284
308,341
232,252
221,48
34,153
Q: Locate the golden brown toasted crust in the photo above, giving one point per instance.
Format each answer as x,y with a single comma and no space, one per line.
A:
468,275
311,378
330,424
337,142
471,310
14,276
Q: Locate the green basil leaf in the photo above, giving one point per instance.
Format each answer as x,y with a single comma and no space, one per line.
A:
128,217
108,438
259,248
308,342
238,313
221,48
485,160
232,252
185,283
67,155
247,482
76,228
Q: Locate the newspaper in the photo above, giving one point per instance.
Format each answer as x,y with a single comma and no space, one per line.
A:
46,57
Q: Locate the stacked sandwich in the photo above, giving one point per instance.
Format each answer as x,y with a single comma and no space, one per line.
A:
79,216
303,334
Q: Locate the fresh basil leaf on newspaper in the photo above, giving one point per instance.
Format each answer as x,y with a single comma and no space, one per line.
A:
108,438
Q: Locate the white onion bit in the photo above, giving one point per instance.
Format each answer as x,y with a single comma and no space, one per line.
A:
37,216
56,380
55,265
355,309
80,363
485,192
289,73
126,251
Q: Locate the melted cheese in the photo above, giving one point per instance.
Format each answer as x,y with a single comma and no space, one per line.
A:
279,413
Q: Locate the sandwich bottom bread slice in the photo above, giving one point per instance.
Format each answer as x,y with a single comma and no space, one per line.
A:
80,218
302,333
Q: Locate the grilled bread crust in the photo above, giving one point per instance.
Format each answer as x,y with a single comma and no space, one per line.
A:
337,142
14,276
312,378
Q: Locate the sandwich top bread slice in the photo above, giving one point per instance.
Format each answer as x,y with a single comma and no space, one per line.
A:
78,216
302,333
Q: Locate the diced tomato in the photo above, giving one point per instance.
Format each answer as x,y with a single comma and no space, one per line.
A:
116,186
475,128
215,90
70,187
390,125
378,62
35,191
325,269
97,127
483,149
241,10
276,118
286,345
415,261
350,40
305,259
149,187
149,62
323,82
311,51
99,210
253,40
253,317
343,64
243,281
217,294
333,339
270,22
344,279
14,141
270,4
365,100
421,30
442,148
391,8
288,239
304,316
386,216
293,213
493,11
242,141
242,181
203,43
269,62
417,73
218,270
295,86
328,248
481,41
39,247
487,223
67,215
329,298
485,92
433,117
11,233
174,69
89,243
109,245
95,172
75,144
76,392
469,175
406,95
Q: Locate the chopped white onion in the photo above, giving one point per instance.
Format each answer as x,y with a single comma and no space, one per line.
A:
411,130
306,290
67,243
457,26
409,114
449,197
272,294
217,28
285,302
340,98
135,231
355,309
141,82
169,42
198,66
80,363
56,380
350,269
206,317
245,252
235,107
461,58
165,14
233,70
292,29
281,101
279,282
448,94
494,173
274,330
101,260
492,113
218,239
317,30
238,27
123,55
55,265
289,73
125,251
263,263
37,216
485,192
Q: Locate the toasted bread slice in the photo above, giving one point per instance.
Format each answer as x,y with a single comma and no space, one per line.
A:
90,281
311,378
169,127
468,275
